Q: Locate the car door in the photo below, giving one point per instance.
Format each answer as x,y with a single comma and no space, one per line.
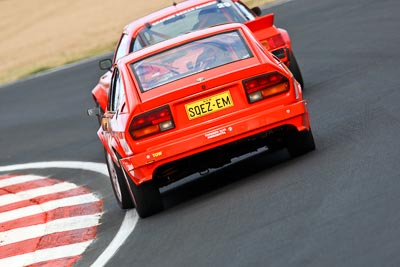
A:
111,126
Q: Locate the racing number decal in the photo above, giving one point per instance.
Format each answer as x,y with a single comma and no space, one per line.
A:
222,5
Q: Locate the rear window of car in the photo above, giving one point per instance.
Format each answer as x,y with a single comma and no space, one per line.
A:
190,58
192,19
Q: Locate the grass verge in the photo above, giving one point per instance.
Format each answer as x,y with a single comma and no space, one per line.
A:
38,39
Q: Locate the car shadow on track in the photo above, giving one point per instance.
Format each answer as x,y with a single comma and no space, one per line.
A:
198,185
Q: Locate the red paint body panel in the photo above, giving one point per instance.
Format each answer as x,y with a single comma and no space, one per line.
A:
258,26
241,122
262,27
182,146
100,92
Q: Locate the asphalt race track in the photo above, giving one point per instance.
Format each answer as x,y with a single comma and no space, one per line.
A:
336,206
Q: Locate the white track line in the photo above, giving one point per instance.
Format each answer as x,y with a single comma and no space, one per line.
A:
127,226
46,255
47,206
55,226
37,192
88,166
19,180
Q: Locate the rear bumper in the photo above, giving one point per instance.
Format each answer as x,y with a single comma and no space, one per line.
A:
142,166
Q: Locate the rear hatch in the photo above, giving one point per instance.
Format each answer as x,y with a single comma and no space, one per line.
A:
205,100
207,96
192,88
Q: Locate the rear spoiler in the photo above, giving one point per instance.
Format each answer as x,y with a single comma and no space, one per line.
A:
260,23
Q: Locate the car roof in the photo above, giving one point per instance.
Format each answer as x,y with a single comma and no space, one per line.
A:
165,12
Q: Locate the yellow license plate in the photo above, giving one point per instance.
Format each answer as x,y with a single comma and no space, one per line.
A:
209,105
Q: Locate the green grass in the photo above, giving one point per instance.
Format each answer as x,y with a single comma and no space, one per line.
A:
10,75
16,74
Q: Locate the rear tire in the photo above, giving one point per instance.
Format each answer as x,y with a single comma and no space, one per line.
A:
146,198
299,143
295,69
118,182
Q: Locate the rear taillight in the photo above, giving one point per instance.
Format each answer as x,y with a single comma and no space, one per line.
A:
265,86
152,122
273,42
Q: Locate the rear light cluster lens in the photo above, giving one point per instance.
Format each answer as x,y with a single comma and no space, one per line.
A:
274,42
265,86
279,53
152,122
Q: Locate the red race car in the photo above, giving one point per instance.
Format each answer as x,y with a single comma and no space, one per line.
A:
195,102
189,16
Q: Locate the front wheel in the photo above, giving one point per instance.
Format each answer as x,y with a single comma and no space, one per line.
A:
295,69
118,182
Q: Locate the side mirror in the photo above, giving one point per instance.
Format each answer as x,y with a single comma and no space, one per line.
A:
94,112
256,11
105,64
